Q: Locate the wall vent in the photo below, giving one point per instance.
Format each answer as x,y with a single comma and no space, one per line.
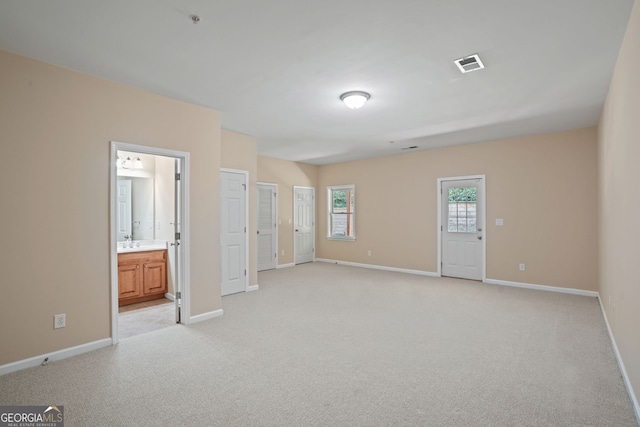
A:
469,63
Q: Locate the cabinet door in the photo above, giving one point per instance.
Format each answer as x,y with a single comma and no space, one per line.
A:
129,281
155,278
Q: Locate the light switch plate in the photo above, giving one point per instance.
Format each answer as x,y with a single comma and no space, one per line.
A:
499,222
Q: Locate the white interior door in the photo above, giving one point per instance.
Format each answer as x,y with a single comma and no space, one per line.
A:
462,228
175,255
267,227
233,187
304,224
123,209
167,218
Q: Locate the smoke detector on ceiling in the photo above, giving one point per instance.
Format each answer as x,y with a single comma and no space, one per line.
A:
469,63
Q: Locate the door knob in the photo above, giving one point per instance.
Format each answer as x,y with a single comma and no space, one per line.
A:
258,231
296,231
479,237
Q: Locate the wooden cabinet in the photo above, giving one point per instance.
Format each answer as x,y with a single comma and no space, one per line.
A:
142,276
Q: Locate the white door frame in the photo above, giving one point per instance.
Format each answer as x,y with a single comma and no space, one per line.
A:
275,190
483,209
313,192
184,271
246,224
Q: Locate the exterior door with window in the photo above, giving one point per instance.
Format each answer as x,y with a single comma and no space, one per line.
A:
462,219
304,224
267,227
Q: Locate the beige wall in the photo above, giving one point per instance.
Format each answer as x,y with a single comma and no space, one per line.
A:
287,175
544,187
55,128
238,151
619,150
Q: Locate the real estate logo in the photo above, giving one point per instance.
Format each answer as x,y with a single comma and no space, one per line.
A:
31,416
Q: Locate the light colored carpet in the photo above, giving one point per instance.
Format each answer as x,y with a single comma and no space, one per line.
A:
329,345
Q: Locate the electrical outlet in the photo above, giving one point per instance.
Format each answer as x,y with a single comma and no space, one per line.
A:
59,321
499,222
521,267
369,252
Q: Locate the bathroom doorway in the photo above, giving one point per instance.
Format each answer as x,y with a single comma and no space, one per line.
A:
149,235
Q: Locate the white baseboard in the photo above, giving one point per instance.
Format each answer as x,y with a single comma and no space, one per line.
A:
54,356
205,316
623,370
170,296
285,265
252,288
542,287
380,267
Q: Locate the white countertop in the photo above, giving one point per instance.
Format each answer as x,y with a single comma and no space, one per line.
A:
141,246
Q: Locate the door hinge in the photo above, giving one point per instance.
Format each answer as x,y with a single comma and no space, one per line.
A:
441,228
275,255
179,295
245,272
274,194
244,186
177,177
177,236
245,229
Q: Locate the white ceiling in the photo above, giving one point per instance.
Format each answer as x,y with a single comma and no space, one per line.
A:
276,69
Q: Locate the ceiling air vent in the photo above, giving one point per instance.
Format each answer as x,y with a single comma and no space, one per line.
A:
469,63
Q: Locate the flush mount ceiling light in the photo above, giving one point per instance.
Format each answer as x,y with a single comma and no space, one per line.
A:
354,99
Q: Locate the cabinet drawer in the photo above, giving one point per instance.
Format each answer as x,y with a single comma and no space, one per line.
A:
142,257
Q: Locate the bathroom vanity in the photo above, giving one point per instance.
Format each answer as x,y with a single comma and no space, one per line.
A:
142,275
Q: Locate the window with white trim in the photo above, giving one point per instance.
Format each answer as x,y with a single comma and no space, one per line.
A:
341,215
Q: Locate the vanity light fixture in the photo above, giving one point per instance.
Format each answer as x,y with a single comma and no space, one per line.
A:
354,99
130,164
137,163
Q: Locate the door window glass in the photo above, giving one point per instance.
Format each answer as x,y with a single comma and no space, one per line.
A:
462,210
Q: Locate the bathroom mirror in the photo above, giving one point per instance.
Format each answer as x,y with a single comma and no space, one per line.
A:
135,187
